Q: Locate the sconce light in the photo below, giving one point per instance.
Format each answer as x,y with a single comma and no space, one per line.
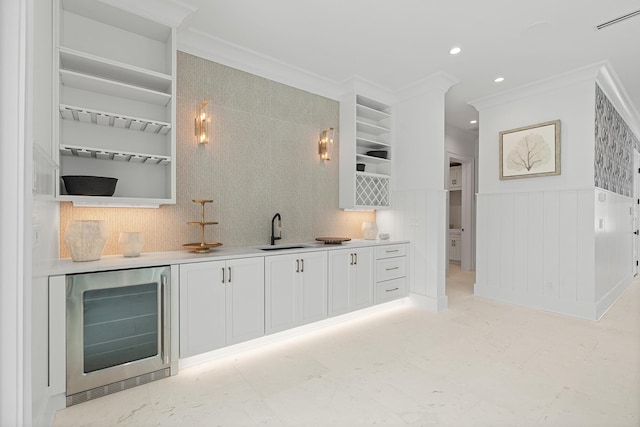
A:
325,145
202,123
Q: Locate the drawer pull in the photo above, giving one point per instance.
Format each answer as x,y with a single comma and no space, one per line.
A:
391,290
395,250
393,268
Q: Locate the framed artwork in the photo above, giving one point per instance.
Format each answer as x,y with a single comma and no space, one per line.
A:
530,151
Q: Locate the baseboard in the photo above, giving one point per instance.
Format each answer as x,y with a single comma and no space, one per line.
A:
609,299
431,304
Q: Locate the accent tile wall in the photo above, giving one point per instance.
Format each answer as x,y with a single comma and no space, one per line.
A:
261,159
614,145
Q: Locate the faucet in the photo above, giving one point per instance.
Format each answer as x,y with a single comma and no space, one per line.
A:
273,237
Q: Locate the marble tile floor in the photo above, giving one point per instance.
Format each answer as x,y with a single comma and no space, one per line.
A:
480,363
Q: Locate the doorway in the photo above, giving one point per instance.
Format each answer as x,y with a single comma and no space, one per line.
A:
461,211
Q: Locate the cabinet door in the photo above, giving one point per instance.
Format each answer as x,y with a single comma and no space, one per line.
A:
280,292
244,299
362,280
202,308
339,281
312,297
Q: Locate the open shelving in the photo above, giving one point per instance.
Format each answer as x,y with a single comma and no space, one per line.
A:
116,100
365,125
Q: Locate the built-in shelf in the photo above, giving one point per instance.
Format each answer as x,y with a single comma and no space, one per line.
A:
371,129
103,118
118,156
371,159
372,114
113,88
84,63
371,144
373,175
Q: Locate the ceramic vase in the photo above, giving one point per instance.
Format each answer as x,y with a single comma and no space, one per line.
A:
369,230
85,239
131,243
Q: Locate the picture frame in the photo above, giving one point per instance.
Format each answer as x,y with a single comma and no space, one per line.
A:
530,151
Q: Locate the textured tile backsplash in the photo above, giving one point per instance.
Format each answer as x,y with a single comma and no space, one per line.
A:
261,159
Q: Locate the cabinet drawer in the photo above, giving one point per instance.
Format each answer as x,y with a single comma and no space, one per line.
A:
391,268
390,290
389,251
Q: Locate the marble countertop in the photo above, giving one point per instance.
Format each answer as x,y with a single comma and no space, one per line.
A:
149,259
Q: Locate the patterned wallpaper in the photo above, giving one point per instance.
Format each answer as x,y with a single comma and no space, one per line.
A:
614,145
262,158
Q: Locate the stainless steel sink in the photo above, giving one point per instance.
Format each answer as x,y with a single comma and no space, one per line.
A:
283,247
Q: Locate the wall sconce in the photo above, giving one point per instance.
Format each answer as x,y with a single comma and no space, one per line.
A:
325,145
202,123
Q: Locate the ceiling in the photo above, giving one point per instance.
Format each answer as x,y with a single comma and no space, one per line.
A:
397,43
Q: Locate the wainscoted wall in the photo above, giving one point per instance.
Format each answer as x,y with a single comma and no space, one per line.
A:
614,145
261,159
419,216
538,249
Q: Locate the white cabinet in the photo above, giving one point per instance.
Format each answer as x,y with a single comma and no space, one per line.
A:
391,272
365,153
455,252
455,178
295,290
350,285
115,100
221,303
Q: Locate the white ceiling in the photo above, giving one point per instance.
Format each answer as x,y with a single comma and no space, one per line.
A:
396,43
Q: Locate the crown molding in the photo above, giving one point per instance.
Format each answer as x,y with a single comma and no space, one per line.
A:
368,88
168,12
204,45
549,84
439,81
610,84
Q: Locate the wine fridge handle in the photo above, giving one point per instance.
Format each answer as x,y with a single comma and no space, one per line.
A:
166,326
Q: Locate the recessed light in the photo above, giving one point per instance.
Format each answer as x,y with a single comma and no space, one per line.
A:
455,50
473,122
498,79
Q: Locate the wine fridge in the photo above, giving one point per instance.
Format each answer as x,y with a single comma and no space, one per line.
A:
118,330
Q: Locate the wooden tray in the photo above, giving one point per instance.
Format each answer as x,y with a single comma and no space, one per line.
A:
332,240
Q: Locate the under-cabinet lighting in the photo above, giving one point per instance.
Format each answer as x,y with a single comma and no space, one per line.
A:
202,123
325,145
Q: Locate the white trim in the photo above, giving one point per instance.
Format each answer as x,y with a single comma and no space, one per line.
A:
610,84
550,84
12,128
431,304
205,46
440,82
168,12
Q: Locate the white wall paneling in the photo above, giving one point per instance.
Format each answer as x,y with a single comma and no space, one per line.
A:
538,249
420,217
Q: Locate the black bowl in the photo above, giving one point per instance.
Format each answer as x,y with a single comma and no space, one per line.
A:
81,185
378,153
360,167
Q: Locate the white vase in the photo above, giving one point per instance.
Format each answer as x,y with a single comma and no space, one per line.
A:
369,230
85,239
131,243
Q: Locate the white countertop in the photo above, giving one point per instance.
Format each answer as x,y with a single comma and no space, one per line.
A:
148,259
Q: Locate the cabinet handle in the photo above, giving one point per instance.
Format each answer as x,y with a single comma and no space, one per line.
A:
302,266
351,255
395,250
297,266
391,290
229,274
356,257
393,268
223,275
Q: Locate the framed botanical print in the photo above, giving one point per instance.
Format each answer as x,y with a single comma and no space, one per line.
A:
530,151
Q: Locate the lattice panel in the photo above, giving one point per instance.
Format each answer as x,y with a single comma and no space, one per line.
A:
372,190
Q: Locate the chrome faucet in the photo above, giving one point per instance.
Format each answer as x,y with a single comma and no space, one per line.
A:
273,237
